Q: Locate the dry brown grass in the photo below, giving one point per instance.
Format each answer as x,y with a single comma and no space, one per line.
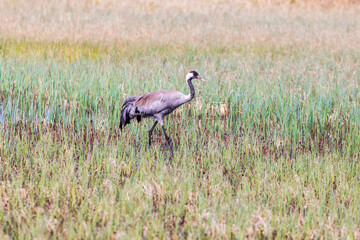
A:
215,22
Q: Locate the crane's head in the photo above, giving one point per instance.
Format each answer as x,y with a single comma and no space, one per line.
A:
193,75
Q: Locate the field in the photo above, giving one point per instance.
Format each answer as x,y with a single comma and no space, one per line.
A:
269,147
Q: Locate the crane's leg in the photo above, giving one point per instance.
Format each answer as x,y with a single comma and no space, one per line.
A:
168,140
150,132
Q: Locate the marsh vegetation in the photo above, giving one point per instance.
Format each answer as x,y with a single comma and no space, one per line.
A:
269,147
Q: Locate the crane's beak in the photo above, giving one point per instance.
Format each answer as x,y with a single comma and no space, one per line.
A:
200,78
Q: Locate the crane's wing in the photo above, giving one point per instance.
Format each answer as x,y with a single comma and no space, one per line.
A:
128,111
129,100
158,101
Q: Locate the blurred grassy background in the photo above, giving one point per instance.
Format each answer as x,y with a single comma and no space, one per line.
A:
312,23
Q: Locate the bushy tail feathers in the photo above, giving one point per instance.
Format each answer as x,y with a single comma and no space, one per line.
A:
128,111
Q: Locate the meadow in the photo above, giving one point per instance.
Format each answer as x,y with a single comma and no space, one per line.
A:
269,147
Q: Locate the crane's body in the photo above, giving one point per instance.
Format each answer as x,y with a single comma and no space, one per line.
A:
156,105
160,103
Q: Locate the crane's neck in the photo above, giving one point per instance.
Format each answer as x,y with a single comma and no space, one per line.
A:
192,90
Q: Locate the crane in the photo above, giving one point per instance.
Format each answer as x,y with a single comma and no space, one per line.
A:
155,105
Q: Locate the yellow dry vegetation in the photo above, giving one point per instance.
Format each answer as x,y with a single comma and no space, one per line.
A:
204,22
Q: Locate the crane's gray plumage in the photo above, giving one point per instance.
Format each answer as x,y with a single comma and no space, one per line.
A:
156,105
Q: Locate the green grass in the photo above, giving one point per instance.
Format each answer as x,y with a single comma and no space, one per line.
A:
283,162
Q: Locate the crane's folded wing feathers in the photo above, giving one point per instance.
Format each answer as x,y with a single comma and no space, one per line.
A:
128,111
159,101
129,100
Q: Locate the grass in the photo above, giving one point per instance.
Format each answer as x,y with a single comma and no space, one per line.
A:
281,162
268,148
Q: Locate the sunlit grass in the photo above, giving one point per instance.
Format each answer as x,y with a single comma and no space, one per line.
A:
268,148
280,161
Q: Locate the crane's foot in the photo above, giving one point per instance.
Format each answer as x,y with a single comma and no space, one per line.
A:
171,148
149,143
150,132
